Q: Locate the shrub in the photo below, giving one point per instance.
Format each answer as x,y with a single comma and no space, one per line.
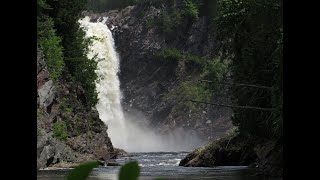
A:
191,9
189,90
169,54
195,60
168,24
50,43
192,91
65,106
173,54
60,130
215,70
105,5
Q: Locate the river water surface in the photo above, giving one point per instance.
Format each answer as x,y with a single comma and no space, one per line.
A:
161,164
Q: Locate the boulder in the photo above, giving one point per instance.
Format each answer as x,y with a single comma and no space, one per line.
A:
120,153
46,94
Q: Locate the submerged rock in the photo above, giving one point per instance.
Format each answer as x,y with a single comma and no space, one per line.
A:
112,163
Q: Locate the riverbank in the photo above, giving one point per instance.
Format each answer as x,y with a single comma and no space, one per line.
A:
234,149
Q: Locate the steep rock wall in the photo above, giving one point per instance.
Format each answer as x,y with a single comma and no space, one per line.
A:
86,139
147,83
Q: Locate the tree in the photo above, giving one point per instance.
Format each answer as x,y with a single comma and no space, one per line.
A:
65,15
49,41
252,32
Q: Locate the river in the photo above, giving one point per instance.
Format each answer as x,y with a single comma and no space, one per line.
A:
161,164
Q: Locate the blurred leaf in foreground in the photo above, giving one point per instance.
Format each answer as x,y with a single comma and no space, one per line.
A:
129,171
82,171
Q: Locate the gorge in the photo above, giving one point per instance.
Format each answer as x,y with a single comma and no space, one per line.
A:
126,133
166,81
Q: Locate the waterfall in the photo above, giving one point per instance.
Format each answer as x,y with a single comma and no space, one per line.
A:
125,131
107,83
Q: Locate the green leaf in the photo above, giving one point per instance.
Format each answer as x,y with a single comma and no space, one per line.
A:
82,171
129,171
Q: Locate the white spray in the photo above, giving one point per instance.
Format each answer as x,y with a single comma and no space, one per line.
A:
124,132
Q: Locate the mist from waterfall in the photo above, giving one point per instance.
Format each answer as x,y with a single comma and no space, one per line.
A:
124,130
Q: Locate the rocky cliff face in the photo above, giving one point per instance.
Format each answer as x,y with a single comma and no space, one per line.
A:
84,135
149,85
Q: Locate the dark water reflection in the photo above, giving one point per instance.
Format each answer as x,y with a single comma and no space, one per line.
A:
164,165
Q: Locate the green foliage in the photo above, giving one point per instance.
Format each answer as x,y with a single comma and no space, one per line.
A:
129,171
82,171
42,6
195,61
78,125
39,133
50,43
193,91
172,22
40,114
189,90
83,70
105,5
169,22
60,130
173,54
65,106
215,70
211,70
150,22
252,32
65,15
166,24
169,54
191,9
98,5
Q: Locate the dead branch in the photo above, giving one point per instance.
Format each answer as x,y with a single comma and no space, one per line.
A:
238,84
234,106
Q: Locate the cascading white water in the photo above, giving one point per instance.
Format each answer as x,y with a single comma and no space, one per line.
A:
107,83
125,133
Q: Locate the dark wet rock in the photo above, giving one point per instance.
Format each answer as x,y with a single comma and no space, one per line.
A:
97,144
272,163
112,163
234,150
120,153
231,150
